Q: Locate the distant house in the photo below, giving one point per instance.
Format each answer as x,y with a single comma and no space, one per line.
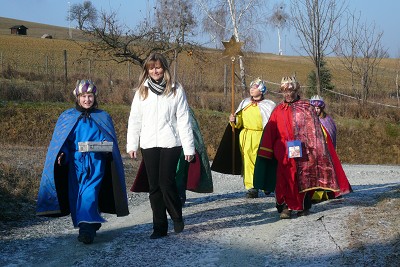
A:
19,30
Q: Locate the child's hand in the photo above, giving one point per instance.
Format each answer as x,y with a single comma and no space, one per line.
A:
59,159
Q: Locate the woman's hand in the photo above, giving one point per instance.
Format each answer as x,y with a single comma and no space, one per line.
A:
189,158
59,159
132,154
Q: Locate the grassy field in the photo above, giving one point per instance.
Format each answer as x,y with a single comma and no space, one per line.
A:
33,92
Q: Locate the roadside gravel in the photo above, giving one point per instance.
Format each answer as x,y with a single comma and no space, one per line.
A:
226,229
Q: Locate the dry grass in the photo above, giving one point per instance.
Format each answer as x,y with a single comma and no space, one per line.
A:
359,140
20,172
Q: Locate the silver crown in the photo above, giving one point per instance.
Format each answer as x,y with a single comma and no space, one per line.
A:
288,79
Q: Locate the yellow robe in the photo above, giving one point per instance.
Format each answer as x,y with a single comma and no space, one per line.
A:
249,120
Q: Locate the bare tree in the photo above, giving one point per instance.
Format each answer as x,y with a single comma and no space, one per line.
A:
241,19
176,21
110,40
279,20
360,49
168,33
82,14
316,23
217,33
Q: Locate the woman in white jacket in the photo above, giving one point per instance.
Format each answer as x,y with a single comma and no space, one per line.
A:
159,124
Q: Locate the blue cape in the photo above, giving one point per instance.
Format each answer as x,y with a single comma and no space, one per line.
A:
53,191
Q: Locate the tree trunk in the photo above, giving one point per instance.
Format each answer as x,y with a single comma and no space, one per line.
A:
318,79
242,77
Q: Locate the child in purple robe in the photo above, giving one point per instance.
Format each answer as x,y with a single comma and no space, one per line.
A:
325,119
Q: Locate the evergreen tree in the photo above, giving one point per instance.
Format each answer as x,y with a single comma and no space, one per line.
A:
326,78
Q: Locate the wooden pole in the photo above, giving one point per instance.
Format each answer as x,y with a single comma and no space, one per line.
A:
225,79
232,48
233,112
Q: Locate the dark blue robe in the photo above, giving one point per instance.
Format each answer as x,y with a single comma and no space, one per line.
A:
57,191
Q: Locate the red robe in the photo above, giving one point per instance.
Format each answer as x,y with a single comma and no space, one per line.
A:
344,184
297,176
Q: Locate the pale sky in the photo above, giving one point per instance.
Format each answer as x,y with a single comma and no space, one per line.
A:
385,14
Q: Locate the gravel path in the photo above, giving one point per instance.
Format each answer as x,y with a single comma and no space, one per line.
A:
226,229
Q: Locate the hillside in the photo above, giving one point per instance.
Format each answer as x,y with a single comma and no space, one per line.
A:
36,30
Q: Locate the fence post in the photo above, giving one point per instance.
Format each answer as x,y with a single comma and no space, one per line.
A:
65,66
397,89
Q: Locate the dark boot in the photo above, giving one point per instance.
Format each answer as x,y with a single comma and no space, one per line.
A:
156,235
87,232
252,193
178,226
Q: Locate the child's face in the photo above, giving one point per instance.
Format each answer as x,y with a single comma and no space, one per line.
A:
86,100
254,92
318,110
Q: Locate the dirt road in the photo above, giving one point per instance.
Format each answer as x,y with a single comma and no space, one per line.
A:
226,229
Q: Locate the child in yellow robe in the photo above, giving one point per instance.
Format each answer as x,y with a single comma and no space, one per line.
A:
250,118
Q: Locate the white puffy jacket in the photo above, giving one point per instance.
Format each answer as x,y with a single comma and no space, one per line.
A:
160,121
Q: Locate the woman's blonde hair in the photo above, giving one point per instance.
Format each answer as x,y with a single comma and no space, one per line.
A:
150,61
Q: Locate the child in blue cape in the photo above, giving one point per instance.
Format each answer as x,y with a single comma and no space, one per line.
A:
77,180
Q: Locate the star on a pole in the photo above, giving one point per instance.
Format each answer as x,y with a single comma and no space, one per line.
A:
232,48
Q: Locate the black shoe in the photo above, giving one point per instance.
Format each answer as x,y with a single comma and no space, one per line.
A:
87,232
252,193
96,226
178,226
85,238
267,193
156,235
